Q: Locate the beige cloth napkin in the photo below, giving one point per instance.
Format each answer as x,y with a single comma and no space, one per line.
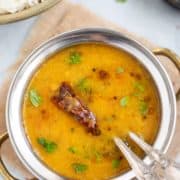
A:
65,17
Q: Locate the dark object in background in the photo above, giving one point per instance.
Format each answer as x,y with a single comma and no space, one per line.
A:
175,3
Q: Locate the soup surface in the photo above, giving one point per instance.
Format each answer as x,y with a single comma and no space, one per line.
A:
114,86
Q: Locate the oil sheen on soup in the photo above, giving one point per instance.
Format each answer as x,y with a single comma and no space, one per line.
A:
114,87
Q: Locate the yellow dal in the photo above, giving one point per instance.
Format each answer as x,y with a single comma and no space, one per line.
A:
96,152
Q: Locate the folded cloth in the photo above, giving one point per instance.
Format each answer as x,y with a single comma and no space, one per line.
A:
65,17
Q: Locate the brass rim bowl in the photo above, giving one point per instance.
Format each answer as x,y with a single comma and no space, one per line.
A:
14,119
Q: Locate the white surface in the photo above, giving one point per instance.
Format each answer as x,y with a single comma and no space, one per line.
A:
11,38
152,19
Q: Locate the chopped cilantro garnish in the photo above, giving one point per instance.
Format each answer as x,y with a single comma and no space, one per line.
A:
139,87
48,146
143,108
119,70
74,58
35,98
84,86
72,149
115,163
79,168
98,155
124,101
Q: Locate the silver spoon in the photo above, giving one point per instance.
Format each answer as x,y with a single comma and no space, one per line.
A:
161,168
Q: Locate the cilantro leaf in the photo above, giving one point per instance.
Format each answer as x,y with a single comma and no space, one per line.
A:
48,146
120,70
84,86
72,149
124,101
143,108
115,163
98,156
35,98
74,58
139,87
79,168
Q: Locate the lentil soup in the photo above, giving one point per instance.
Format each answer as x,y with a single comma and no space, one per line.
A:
112,88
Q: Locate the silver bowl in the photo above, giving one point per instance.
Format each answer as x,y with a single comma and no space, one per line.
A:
19,84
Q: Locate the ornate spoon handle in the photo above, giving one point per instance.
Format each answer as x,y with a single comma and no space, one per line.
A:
162,168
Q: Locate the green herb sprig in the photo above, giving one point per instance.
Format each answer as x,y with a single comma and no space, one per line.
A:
98,156
35,98
143,108
72,149
124,101
115,163
139,87
49,146
79,168
84,86
119,70
74,58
